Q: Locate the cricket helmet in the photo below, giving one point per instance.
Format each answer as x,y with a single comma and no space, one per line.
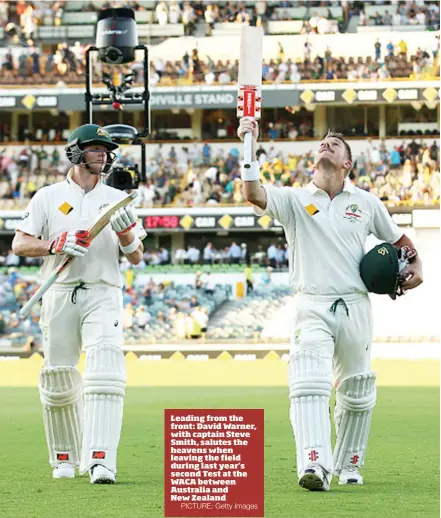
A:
381,269
85,135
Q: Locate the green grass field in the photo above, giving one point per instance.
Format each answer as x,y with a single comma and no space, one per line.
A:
401,472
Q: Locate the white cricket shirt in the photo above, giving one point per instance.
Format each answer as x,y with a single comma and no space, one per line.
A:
326,238
66,206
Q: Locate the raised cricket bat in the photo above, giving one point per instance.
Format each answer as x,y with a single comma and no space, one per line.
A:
249,97
95,228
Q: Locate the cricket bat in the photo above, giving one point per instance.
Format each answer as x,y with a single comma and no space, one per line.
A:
249,98
95,228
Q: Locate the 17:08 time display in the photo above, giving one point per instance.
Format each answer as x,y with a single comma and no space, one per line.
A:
161,222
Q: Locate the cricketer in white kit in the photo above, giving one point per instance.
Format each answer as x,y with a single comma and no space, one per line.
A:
326,224
82,415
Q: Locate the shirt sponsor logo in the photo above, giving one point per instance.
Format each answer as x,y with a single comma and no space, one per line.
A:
311,209
65,208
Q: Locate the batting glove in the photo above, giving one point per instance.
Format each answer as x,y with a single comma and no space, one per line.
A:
123,220
74,243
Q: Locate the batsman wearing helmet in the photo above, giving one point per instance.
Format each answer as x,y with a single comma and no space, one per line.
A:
82,415
326,224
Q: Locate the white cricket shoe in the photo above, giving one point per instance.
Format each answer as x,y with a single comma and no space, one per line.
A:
315,478
101,475
63,470
350,475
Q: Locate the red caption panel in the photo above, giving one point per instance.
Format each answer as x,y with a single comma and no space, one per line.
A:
214,463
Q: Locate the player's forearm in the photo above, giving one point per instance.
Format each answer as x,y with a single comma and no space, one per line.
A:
254,193
25,245
134,257
404,241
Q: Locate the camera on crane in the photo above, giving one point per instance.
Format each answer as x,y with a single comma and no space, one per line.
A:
122,177
116,44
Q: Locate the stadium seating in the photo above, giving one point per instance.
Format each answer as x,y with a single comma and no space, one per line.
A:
247,318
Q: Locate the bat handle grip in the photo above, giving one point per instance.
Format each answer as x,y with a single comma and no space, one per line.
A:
247,146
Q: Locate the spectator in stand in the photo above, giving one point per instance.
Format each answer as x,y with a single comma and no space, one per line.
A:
193,254
174,13
387,18
162,13
234,253
188,19
208,254
249,277
435,48
402,48
209,285
377,50
390,49
211,14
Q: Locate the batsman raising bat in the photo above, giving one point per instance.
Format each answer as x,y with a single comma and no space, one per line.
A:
83,308
326,224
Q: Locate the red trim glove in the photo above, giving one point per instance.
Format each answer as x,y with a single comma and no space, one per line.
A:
123,220
74,243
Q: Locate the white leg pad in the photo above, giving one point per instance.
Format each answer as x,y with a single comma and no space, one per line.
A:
62,399
355,400
104,391
310,385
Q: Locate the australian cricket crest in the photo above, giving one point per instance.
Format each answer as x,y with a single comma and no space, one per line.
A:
352,213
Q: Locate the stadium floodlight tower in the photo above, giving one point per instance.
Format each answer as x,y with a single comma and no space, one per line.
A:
116,43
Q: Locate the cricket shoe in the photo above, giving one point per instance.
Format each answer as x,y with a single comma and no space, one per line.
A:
101,475
63,470
350,475
315,478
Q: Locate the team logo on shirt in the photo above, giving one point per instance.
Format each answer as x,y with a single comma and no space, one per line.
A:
102,207
25,215
352,213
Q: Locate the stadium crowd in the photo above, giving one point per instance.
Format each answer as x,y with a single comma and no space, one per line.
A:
22,18
66,65
275,256
63,64
199,175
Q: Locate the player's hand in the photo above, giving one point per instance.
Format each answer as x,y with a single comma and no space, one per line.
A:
74,243
123,220
248,125
413,275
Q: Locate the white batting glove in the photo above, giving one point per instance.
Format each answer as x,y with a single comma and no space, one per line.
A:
74,243
123,220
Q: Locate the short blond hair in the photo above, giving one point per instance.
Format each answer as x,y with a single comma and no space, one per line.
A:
340,136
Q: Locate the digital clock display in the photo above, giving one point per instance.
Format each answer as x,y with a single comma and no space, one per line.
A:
161,222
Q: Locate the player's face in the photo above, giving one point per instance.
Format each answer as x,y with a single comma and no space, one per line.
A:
95,155
332,151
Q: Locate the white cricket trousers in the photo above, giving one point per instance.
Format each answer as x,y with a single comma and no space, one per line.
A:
89,316
331,337
72,318
336,328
